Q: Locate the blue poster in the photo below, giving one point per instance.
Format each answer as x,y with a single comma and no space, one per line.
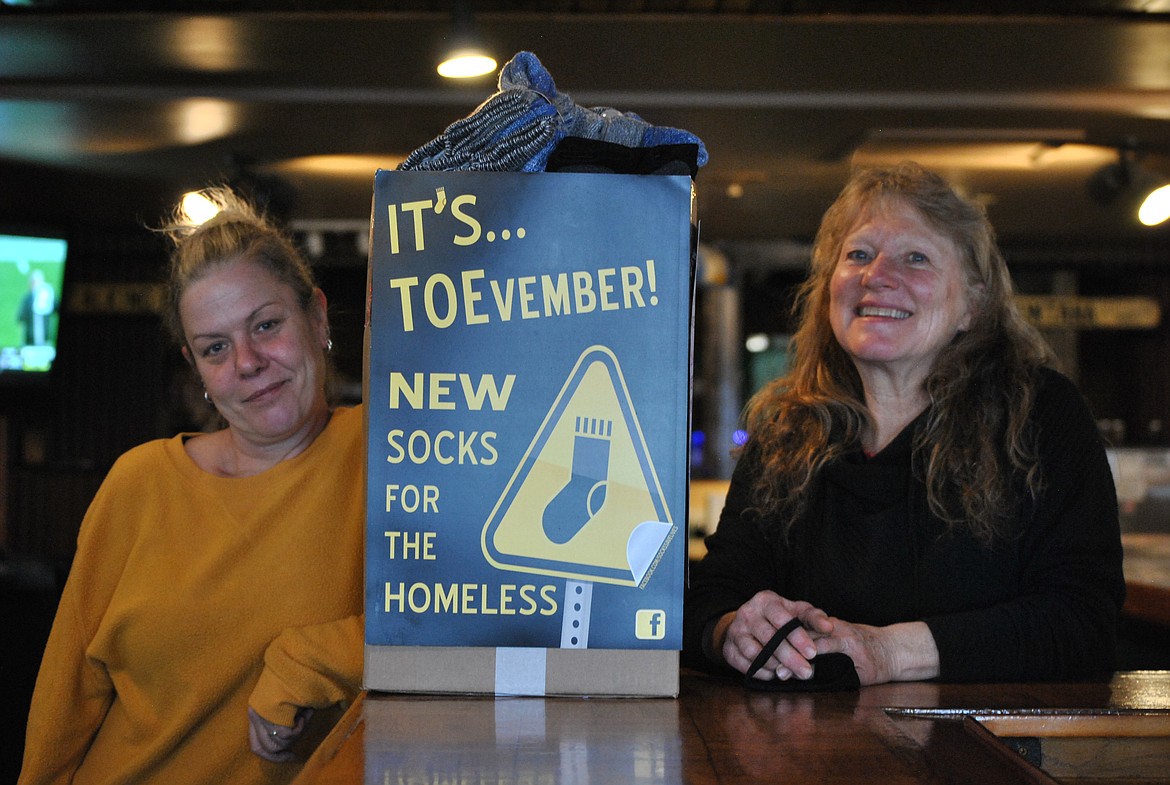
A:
528,390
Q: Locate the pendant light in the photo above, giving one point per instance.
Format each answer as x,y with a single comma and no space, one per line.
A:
465,55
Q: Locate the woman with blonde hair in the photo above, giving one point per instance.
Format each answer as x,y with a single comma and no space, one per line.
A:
921,491
215,599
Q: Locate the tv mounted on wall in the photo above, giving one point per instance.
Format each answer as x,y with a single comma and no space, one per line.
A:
32,274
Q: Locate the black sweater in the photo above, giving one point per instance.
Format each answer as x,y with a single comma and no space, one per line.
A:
1040,605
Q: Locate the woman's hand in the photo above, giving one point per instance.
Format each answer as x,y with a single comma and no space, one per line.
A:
274,742
899,652
742,634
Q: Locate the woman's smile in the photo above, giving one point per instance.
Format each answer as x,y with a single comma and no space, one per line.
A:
882,312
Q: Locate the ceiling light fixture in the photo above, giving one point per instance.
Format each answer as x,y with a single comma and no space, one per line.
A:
1137,187
1155,207
465,55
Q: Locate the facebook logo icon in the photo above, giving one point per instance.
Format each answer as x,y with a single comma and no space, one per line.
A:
650,625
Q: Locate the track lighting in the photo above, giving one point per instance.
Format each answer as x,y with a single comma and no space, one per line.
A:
1155,207
1136,187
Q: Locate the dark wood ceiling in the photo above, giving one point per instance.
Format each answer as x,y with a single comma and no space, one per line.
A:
706,7
108,110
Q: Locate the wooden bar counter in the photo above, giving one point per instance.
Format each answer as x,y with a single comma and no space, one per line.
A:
718,732
1147,577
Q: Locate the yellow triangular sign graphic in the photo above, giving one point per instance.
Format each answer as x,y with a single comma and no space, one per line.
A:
584,501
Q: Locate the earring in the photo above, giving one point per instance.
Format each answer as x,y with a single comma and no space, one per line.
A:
207,397
328,344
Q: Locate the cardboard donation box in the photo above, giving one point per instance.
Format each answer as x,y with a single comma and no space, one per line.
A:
528,357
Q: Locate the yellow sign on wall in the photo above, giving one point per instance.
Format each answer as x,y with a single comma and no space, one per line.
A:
1090,313
117,298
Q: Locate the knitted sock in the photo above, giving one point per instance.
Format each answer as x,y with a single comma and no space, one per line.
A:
501,135
519,127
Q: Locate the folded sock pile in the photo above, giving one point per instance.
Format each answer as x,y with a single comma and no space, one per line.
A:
520,126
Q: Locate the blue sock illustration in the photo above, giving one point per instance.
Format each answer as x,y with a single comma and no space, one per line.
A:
584,493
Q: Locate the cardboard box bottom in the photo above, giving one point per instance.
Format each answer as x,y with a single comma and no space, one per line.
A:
522,671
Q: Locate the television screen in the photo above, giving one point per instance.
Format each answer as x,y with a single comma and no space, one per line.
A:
32,272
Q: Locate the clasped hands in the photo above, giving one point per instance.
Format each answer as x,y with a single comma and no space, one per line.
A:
898,652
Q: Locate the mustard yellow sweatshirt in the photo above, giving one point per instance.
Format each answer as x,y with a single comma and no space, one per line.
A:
182,582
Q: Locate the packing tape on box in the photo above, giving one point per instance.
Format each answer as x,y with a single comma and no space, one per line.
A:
520,671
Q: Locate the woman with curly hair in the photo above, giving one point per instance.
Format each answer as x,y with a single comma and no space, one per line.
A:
921,491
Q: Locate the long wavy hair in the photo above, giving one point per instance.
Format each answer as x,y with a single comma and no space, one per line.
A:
975,438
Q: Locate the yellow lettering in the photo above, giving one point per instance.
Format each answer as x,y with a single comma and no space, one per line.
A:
583,294
526,297
448,286
556,294
471,297
605,289
472,224
404,285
